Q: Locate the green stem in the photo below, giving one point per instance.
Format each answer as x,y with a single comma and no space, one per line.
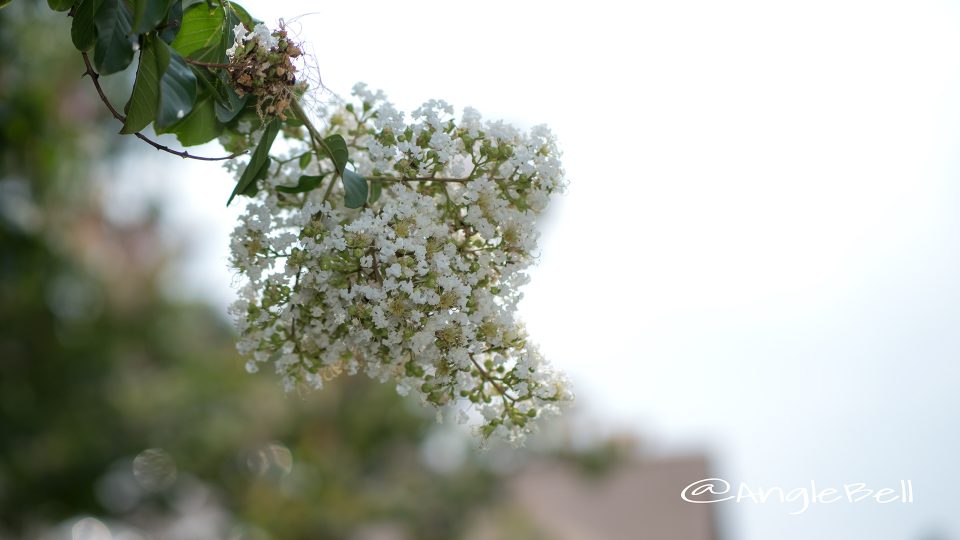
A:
326,194
317,142
486,376
314,134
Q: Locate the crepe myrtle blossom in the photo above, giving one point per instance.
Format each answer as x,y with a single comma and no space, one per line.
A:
419,288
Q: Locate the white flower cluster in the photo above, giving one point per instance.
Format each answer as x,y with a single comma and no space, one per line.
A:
419,287
262,35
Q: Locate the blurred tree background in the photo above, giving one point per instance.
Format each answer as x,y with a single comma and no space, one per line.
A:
120,403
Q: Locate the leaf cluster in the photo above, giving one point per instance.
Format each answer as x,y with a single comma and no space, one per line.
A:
184,84
170,92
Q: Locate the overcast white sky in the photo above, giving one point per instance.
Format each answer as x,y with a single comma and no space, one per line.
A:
758,253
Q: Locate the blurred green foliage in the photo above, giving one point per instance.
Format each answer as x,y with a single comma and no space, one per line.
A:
97,365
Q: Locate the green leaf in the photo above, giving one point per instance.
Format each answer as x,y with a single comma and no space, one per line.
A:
305,159
178,86
258,160
213,50
60,5
205,78
304,184
147,14
84,30
337,148
376,188
4,3
115,46
142,107
172,22
242,16
228,108
202,32
218,53
199,126
355,187
227,112
252,189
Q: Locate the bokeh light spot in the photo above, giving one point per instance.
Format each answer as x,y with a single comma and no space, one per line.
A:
154,469
273,459
90,529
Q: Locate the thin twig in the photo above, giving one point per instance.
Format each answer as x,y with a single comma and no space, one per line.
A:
95,77
486,377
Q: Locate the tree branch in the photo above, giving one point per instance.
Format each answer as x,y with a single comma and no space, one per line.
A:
95,77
